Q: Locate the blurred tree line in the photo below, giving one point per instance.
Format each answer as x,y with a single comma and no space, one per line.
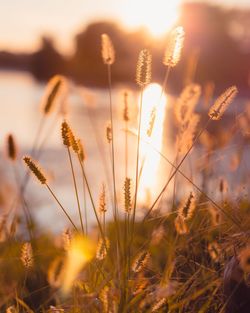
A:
217,49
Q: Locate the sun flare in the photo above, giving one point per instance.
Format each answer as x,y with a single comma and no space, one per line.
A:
158,16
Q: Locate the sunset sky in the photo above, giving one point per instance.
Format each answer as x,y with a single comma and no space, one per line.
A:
23,22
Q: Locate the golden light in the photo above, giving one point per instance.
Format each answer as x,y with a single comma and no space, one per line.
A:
80,252
150,145
158,16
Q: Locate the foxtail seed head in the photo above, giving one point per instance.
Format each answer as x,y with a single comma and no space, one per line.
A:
127,195
186,137
140,262
188,207
108,52
54,88
151,122
125,109
143,70
65,130
186,102
81,151
27,255
35,170
109,132
222,103
69,139
102,248
181,225
102,200
73,141
11,146
174,48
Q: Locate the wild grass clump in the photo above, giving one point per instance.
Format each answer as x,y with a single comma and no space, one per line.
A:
162,256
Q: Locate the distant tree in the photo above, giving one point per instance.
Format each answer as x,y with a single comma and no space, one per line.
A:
47,61
87,63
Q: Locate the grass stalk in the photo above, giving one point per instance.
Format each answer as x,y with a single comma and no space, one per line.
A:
91,199
75,187
176,169
59,203
137,164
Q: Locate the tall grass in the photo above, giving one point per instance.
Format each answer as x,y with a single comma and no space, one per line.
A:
163,260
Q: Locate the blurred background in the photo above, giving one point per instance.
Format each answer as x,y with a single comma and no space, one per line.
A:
61,37
42,38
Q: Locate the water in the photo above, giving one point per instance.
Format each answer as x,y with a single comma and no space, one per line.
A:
20,98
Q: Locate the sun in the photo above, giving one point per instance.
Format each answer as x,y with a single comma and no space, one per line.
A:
158,16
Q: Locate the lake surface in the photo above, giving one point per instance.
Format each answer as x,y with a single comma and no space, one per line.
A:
88,113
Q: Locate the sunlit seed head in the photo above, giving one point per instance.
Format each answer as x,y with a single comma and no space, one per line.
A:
104,297
158,305
102,248
35,170
222,103
151,122
65,131
186,135
216,217
54,89
27,255
125,108
66,239
108,52
11,147
74,142
141,261
109,132
81,150
143,70
103,200
173,51
186,102
127,195
214,251
187,207
181,225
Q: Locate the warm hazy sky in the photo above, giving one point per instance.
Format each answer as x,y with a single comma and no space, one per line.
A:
23,21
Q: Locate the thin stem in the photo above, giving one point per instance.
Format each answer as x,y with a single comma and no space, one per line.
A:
47,134
26,211
85,204
237,223
59,203
38,133
126,149
75,187
116,215
176,170
137,163
164,84
91,199
37,148
112,141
